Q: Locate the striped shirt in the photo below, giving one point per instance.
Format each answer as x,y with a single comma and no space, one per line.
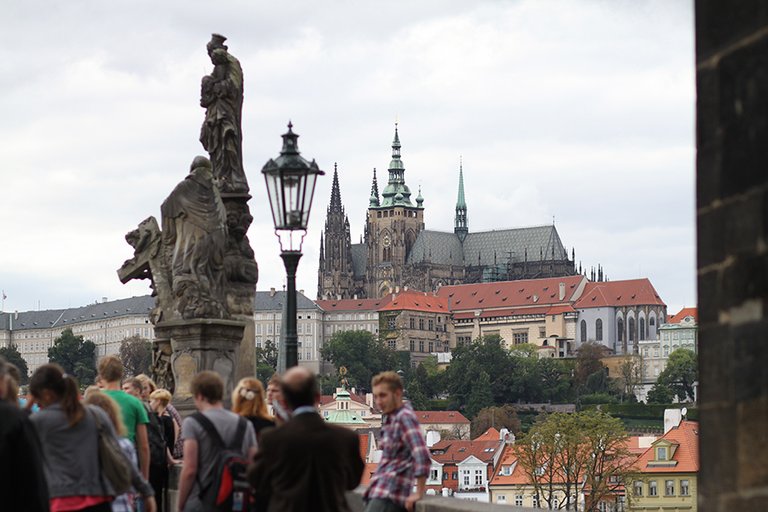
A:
404,457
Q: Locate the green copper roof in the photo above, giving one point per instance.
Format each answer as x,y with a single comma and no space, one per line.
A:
461,202
344,416
396,193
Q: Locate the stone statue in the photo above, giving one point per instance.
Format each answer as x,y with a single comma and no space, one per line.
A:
148,262
241,269
221,94
193,238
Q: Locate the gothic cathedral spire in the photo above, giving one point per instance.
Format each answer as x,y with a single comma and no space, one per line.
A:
460,226
336,274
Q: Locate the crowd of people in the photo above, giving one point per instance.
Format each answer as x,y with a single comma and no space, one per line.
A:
110,447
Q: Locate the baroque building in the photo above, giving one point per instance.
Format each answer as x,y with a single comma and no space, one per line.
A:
397,251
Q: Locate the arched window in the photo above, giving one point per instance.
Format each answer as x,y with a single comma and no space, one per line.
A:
599,330
652,321
631,325
583,331
620,329
642,328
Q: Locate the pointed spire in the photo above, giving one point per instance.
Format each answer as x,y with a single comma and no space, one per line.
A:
460,225
335,206
396,193
374,200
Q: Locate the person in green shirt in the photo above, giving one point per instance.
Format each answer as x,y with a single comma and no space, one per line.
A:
134,414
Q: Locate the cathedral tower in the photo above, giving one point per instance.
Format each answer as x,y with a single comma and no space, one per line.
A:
392,227
335,276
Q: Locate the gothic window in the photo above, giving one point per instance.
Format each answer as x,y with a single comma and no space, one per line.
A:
620,329
387,254
631,324
599,330
583,331
652,321
642,328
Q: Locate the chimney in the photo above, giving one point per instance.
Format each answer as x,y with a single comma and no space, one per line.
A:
271,292
301,292
16,315
369,400
104,299
672,419
433,437
562,291
354,296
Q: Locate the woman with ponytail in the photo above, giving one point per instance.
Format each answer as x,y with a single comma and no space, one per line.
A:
69,435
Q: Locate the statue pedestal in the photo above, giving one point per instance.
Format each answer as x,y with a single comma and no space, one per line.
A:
201,344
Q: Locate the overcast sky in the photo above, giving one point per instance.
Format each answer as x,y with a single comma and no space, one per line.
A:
578,110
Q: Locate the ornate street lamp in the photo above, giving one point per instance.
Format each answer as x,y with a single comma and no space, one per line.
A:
291,183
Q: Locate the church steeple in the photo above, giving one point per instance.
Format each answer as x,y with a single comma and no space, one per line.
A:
460,226
374,200
335,205
396,193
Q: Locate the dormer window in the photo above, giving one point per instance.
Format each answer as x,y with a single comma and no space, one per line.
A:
661,453
506,470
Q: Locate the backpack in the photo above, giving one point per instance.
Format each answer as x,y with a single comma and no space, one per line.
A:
229,489
156,438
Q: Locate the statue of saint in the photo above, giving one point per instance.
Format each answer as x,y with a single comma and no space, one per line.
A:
194,238
221,94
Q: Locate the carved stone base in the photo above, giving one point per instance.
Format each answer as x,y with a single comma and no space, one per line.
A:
201,344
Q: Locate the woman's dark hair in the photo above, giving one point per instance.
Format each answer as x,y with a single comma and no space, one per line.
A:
63,386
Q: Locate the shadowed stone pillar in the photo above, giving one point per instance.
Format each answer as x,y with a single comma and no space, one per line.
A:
732,208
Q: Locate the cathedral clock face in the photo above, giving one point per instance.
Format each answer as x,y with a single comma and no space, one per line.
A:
386,241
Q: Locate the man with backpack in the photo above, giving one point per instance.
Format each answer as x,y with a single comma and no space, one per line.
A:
217,446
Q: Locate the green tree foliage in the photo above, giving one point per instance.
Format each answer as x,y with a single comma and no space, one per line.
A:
136,354
588,362
660,394
13,356
562,452
75,355
416,395
681,372
504,416
362,354
266,361
516,375
480,397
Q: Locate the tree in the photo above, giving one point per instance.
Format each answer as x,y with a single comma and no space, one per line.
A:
362,354
660,394
588,361
681,372
480,397
75,355
630,376
136,354
13,356
266,361
563,452
469,360
504,416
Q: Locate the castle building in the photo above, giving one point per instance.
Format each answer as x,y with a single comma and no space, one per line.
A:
397,251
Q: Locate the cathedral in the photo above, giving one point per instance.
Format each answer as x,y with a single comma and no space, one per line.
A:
396,251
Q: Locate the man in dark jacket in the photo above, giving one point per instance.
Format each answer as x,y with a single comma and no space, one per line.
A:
306,464
22,481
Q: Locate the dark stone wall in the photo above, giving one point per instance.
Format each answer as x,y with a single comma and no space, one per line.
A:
732,208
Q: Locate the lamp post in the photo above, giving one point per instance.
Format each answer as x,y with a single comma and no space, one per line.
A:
291,183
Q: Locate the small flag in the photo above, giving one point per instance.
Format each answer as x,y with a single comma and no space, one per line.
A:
4,295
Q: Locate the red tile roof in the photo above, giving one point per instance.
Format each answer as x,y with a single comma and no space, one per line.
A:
453,451
509,457
631,292
676,319
354,304
412,300
686,437
326,399
511,294
430,417
489,435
